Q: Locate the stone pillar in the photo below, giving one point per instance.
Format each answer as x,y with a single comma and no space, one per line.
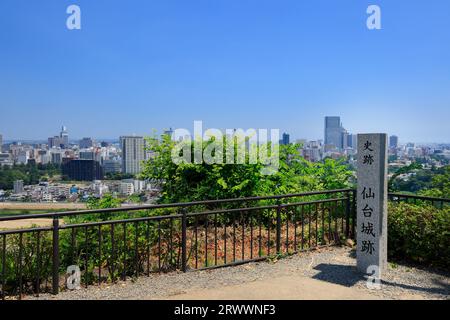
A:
371,221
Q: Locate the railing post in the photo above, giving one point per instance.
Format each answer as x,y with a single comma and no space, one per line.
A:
183,240
347,215
354,214
278,226
55,258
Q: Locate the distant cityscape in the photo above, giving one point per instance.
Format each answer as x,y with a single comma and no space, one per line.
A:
94,168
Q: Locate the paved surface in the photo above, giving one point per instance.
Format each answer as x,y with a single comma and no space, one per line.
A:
328,273
286,288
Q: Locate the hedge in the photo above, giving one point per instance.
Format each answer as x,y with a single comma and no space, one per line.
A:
419,233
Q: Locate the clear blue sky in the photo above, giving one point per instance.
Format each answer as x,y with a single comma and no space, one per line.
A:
138,65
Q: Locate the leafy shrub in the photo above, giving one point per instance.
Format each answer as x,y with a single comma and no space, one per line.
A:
419,233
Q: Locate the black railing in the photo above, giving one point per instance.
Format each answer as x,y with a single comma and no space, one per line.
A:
118,243
111,244
414,199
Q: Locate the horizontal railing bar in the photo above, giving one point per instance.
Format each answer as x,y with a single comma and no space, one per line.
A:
174,216
293,204
169,205
401,195
100,223
18,231
234,210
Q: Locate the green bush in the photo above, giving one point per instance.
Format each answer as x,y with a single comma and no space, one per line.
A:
419,233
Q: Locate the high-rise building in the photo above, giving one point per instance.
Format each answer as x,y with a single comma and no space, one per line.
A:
354,141
334,132
64,135
54,142
90,155
133,153
56,157
23,156
86,143
393,142
61,141
18,186
344,136
1,143
111,166
284,139
350,141
82,170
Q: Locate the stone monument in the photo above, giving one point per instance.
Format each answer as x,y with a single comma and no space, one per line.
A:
371,221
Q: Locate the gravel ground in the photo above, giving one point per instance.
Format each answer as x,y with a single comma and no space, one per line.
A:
334,265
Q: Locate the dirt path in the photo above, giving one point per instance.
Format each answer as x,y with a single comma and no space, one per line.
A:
328,273
286,288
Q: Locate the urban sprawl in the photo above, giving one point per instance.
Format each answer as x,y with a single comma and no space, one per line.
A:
93,169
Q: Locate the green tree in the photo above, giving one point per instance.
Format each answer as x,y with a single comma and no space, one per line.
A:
107,201
182,182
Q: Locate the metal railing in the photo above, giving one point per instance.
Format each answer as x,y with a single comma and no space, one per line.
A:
408,198
111,244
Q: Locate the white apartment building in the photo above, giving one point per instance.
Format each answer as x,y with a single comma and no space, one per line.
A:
133,154
126,188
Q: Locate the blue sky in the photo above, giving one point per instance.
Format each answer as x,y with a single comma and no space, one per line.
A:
138,65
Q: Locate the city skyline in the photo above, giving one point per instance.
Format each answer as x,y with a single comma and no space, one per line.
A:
230,64
282,133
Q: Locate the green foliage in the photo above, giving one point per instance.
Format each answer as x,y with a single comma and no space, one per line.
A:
441,181
134,246
118,176
30,174
135,198
183,182
429,182
107,201
419,233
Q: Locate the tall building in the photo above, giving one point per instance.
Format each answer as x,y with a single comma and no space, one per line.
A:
334,132
284,139
54,142
90,155
61,141
344,137
23,156
350,141
354,141
133,154
111,166
56,157
393,142
86,143
83,170
1,143
18,186
64,135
